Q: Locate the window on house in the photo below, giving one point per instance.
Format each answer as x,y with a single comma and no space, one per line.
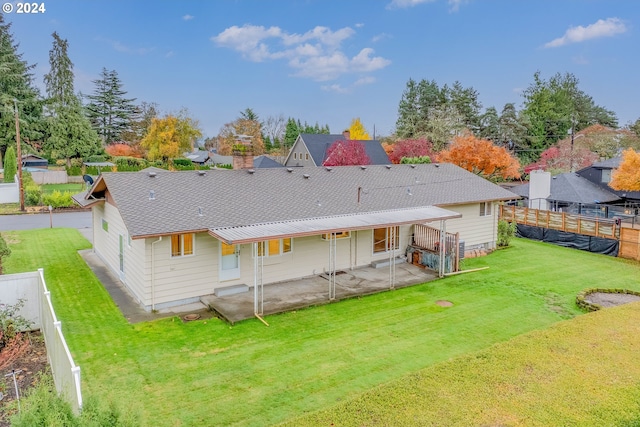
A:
306,156
485,209
339,235
606,176
105,225
181,244
274,247
382,241
295,156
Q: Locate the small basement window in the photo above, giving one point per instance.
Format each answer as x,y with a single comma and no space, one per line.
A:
339,235
485,209
182,244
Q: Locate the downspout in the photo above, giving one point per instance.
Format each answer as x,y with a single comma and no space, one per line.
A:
153,273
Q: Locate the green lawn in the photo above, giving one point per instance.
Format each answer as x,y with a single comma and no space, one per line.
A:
71,187
209,373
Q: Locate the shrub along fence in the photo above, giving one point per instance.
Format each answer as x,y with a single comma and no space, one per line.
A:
38,309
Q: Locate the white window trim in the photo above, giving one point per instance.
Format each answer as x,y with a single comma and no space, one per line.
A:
483,208
182,255
386,239
266,248
339,235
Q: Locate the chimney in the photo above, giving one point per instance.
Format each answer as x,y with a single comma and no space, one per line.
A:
346,134
242,152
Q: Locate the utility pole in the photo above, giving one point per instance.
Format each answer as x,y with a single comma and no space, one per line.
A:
19,155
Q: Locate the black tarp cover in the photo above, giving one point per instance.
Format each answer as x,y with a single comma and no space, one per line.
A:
597,245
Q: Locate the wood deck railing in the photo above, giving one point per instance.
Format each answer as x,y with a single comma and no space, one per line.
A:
598,227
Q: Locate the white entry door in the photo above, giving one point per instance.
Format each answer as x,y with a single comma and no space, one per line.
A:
229,262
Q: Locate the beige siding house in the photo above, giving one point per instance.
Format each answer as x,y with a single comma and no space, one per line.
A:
173,237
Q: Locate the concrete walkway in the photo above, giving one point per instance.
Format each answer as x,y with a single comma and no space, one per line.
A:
130,309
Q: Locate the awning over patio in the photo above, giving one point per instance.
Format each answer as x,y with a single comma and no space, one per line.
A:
315,226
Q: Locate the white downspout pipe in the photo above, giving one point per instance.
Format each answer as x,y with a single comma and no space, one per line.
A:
153,273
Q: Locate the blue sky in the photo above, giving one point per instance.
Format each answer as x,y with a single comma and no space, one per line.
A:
329,61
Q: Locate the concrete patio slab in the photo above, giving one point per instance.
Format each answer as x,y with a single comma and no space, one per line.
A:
314,290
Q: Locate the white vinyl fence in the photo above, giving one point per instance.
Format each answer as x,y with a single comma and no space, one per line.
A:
9,192
32,288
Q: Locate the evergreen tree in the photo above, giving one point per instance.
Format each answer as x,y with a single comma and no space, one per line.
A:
16,83
490,126
10,165
407,125
69,132
111,114
291,132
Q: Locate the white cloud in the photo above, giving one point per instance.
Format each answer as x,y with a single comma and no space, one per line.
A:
187,17
359,25
335,88
602,28
120,47
454,5
580,60
403,4
380,36
364,81
315,54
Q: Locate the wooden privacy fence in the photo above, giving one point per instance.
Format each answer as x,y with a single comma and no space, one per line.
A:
589,226
629,237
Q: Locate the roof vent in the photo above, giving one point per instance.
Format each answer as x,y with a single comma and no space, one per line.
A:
328,168
151,174
289,170
152,195
251,171
388,166
412,166
200,211
202,173
306,176
363,167
437,165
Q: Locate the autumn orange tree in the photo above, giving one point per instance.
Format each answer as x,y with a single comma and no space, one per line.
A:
481,157
627,176
229,133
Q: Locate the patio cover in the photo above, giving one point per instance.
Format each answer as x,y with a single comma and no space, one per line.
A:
331,224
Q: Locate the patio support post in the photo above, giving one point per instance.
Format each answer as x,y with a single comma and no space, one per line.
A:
443,239
332,266
391,236
258,286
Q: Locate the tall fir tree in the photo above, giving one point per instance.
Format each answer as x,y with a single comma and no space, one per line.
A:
110,112
16,83
69,132
10,165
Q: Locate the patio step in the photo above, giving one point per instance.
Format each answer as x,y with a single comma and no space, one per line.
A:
230,290
385,262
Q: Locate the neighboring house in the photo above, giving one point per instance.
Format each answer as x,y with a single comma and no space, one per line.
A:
566,192
311,150
170,245
33,161
265,162
599,173
200,157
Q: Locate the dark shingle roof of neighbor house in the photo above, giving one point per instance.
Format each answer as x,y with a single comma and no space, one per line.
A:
318,144
195,200
570,187
612,163
265,162
200,156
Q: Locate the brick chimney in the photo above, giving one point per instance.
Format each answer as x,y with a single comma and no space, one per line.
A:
346,134
242,152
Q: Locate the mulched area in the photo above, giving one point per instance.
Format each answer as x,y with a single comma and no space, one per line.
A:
31,363
604,299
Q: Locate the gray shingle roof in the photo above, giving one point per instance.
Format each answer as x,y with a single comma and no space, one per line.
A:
318,144
612,163
570,187
191,200
265,162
